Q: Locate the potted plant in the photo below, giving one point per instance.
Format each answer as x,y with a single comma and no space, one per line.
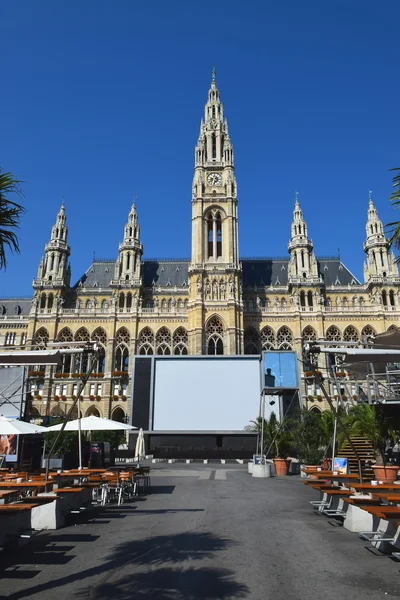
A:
280,444
370,422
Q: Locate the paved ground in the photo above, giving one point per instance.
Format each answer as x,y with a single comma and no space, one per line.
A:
207,532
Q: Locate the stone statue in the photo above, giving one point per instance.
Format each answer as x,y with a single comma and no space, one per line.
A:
241,289
173,302
135,301
258,301
276,302
215,290
222,289
198,285
208,288
231,286
155,303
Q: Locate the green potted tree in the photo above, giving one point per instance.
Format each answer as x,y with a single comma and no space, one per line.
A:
280,442
372,423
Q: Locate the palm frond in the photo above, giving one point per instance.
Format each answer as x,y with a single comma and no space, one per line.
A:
10,215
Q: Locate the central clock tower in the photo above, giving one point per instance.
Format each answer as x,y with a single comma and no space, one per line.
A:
215,307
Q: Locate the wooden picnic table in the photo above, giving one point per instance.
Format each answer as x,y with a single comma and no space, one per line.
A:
388,497
5,495
26,485
374,488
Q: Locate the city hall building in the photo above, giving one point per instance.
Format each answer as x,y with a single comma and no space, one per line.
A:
216,303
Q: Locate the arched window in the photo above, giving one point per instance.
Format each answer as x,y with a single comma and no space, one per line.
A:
99,335
50,301
129,300
219,234
180,304
214,336
17,310
310,298
146,341
52,262
128,261
350,334
302,298
82,335
92,411
268,341
118,414
309,334
80,360
391,297
43,301
88,305
333,334
251,341
121,300
104,306
164,306
284,338
368,332
163,341
316,409
214,146
41,339
180,341
384,298
64,337
210,235
122,358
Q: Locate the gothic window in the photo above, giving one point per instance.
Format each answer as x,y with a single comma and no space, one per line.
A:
23,338
333,334
310,298
118,414
185,304
268,338
64,337
284,338
121,300
163,341
128,260
3,310
52,262
384,298
361,301
41,339
122,358
219,234
146,341
214,336
329,302
251,304
210,235
50,300
214,146
368,332
10,339
164,306
17,310
251,341
104,305
302,298
345,302
82,335
123,336
129,300
391,297
99,335
88,305
309,334
283,304
180,304
350,334
43,301
180,341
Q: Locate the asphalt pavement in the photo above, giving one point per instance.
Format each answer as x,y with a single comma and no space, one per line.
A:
206,532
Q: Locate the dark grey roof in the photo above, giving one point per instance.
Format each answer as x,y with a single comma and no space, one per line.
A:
271,271
99,274
256,271
15,306
165,273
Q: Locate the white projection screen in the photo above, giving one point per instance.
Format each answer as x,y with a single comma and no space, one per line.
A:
205,394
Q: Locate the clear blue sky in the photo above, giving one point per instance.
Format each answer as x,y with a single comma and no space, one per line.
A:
102,100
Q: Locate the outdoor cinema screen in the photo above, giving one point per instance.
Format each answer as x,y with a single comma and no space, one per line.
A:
206,394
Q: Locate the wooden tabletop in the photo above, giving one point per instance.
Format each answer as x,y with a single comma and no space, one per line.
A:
388,497
25,484
369,486
5,493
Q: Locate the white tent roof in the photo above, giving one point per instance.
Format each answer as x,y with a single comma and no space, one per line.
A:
92,423
15,427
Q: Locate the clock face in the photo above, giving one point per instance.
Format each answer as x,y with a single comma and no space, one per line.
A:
214,179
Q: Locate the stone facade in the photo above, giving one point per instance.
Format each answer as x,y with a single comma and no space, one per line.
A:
214,303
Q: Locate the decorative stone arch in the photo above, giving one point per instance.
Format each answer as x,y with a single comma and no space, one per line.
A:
57,411
252,343
163,341
146,341
122,340
41,339
393,328
215,335
350,334
284,338
82,335
333,334
268,338
368,331
65,335
34,412
316,409
118,414
309,334
180,341
93,411
99,335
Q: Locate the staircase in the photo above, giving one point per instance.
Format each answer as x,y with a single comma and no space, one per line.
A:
365,453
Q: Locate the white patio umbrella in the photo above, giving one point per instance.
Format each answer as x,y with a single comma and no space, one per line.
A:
91,423
140,447
16,427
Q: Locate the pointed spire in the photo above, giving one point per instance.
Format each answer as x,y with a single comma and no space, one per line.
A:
213,77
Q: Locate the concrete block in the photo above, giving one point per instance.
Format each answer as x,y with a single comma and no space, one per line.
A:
250,467
261,470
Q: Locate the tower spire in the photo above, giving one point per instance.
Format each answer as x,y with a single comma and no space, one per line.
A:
379,261
303,264
54,270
